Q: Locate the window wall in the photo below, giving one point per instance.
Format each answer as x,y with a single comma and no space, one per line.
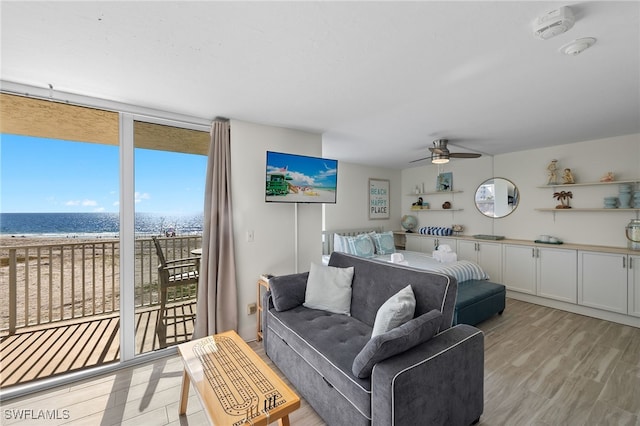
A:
121,176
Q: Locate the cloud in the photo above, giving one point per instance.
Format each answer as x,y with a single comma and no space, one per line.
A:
84,203
139,196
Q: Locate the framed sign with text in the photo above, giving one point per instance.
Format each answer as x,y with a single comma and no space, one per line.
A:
379,199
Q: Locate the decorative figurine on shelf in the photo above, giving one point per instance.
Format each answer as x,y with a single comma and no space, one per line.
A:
563,197
419,205
567,177
446,205
553,176
608,177
457,229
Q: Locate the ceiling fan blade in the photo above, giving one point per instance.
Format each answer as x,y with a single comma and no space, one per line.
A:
421,159
439,151
464,155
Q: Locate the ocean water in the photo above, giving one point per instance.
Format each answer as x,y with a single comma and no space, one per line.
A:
94,224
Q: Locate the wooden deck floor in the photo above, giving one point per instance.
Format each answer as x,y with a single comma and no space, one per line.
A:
45,351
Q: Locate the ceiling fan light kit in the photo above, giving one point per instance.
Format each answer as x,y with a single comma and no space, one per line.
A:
439,159
440,153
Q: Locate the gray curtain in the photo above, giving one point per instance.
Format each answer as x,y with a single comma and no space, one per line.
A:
216,309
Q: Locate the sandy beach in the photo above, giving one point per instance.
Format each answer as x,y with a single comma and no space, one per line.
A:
60,277
310,196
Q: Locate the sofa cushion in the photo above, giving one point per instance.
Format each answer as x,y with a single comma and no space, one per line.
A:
433,290
329,289
288,291
397,310
328,342
398,340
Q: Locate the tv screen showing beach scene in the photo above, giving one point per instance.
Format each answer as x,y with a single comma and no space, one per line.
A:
292,178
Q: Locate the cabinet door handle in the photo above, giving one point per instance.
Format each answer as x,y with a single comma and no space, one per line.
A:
533,252
624,262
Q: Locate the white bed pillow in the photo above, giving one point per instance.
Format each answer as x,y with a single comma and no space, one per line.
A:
329,289
397,310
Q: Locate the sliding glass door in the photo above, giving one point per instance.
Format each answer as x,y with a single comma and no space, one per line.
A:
96,205
170,168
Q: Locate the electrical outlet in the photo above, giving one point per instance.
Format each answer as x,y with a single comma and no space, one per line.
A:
251,308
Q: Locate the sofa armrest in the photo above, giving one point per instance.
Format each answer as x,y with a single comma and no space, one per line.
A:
438,382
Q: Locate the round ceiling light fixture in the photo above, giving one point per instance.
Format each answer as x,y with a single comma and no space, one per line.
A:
577,46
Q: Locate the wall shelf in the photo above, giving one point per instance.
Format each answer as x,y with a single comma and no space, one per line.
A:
588,210
569,185
436,210
433,193
595,209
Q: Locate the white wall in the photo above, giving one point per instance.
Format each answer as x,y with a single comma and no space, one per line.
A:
588,161
351,210
273,224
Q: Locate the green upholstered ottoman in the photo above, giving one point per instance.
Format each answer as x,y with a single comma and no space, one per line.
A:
477,301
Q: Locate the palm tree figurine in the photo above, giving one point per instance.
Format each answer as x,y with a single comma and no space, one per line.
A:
563,197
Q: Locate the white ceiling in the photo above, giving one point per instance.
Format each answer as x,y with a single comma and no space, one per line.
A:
379,80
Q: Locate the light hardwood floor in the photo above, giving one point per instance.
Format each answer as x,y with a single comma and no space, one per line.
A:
542,367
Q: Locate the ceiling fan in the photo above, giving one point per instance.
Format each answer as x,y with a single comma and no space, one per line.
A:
440,153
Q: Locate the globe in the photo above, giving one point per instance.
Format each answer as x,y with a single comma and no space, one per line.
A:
409,222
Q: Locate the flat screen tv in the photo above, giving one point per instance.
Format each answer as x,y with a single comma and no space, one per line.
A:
292,178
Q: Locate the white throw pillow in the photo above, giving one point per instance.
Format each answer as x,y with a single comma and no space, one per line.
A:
329,289
399,309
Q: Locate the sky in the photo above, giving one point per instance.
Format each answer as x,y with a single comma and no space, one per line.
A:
39,175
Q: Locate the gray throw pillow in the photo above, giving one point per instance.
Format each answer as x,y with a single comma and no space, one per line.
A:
397,310
287,291
329,289
396,341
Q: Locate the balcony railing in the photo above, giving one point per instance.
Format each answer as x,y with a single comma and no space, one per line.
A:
56,282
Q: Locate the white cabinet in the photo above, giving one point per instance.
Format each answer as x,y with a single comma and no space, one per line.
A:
542,271
519,268
557,274
602,280
427,243
487,255
633,277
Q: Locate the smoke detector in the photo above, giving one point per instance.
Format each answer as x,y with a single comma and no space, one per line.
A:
577,46
553,23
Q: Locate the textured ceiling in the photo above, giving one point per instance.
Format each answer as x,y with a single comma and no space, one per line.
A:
379,80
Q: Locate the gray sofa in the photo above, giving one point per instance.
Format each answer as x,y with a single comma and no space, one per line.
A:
436,377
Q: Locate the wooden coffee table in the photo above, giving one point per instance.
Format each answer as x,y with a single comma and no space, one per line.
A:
234,385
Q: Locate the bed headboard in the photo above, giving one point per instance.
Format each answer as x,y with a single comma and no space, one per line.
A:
327,236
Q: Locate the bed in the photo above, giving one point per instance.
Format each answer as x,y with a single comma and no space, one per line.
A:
462,270
478,298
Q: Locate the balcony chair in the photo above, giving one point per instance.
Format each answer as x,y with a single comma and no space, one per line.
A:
181,275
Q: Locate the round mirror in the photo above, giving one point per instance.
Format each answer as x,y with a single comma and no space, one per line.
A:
497,197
